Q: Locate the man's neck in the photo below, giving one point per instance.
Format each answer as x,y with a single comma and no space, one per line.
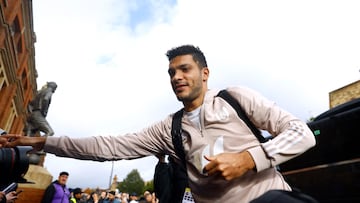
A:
192,105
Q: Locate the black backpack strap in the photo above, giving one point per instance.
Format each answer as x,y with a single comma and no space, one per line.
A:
176,132
180,176
241,113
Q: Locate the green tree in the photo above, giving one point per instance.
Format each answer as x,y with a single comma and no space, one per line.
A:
149,186
310,119
132,183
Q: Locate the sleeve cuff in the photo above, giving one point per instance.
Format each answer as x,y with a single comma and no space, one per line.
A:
50,144
260,159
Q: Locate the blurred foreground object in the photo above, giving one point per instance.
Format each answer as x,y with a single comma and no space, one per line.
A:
329,170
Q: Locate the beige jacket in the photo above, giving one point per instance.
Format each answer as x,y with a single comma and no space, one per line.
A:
221,131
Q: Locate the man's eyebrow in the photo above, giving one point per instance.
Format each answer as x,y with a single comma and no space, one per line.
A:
182,65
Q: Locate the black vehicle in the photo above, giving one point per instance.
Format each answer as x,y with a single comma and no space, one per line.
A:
330,171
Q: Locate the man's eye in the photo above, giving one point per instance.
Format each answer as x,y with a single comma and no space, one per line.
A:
171,72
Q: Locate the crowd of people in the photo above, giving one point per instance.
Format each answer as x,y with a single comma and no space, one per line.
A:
58,192
112,197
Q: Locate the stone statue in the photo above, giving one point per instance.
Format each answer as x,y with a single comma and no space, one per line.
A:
38,109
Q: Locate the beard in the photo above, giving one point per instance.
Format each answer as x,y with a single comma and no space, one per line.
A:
194,93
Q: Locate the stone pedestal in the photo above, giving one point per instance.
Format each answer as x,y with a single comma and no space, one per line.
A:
33,192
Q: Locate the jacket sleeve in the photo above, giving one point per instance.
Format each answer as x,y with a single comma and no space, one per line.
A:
48,194
291,136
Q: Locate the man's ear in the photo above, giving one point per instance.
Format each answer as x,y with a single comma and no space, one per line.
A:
205,73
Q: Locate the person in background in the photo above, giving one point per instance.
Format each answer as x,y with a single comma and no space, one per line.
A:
133,198
150,197
111,198
224,160
118,195
124,197
57,190
77,194
94,198
84,197
103,196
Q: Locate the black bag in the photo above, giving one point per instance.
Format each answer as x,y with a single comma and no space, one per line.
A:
163,182
170,181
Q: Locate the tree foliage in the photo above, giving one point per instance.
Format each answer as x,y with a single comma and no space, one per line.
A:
149,186
132,183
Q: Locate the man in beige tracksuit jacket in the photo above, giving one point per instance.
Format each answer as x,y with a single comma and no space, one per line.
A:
225,161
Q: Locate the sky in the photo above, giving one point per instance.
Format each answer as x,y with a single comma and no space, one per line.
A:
108,59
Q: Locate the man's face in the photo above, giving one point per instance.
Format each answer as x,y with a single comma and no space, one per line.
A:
148,197
78,195
63,179
187,78
111,196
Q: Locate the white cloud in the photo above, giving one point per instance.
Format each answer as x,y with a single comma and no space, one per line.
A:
112,79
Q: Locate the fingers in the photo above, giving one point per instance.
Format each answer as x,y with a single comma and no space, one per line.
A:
11,196
3,141
212,167
208,158
6,140
10,141
229,165
13,193
208,166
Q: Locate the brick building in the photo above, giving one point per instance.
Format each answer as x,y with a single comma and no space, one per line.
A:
17,63
344,94
18,84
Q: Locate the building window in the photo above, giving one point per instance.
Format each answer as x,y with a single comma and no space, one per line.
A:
11,117
3,79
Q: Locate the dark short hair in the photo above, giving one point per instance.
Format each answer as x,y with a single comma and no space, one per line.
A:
77,191
196,53
64,173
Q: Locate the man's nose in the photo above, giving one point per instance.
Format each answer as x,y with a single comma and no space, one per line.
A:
177,75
